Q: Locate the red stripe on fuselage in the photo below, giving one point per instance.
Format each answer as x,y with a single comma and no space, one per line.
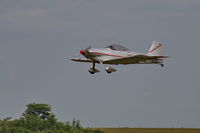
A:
107,54
155,48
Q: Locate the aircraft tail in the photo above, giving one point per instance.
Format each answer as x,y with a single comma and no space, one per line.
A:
155,49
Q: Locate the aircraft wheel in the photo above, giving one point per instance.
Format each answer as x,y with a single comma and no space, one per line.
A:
162,65
108,72
91,72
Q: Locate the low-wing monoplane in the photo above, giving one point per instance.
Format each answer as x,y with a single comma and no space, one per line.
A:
116,54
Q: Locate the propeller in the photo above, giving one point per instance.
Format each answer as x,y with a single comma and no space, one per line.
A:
85,50
82,52
88,48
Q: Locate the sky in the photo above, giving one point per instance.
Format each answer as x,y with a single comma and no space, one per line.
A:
38,37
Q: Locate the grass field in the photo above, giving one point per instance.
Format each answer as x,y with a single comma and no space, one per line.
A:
149,130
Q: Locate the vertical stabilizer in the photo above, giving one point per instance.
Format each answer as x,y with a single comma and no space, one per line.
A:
155,49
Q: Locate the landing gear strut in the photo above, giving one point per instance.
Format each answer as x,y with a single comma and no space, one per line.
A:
108,69
92,70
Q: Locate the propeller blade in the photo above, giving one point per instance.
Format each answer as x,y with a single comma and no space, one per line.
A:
85,51
88,48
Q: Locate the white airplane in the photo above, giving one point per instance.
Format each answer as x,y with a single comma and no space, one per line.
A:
117,54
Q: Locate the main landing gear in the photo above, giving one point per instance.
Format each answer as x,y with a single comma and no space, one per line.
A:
162,65
93,70
110,69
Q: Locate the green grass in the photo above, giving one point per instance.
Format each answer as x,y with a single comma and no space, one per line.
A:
149,130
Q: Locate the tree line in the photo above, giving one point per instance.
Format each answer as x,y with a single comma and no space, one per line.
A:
38,118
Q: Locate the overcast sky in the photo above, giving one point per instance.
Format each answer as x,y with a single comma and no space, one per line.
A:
38,36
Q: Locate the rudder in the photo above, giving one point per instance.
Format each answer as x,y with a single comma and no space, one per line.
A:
155,49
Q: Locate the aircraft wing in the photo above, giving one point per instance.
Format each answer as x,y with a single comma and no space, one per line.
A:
134,59
81,60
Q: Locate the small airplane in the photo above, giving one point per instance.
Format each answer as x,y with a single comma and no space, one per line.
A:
116,54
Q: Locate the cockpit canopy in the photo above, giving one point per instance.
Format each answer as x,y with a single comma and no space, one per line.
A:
117,47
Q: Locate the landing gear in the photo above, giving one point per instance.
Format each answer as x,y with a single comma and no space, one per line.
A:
92,70
162,65
110,70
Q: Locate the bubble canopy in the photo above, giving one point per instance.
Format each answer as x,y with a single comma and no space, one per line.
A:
117,47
